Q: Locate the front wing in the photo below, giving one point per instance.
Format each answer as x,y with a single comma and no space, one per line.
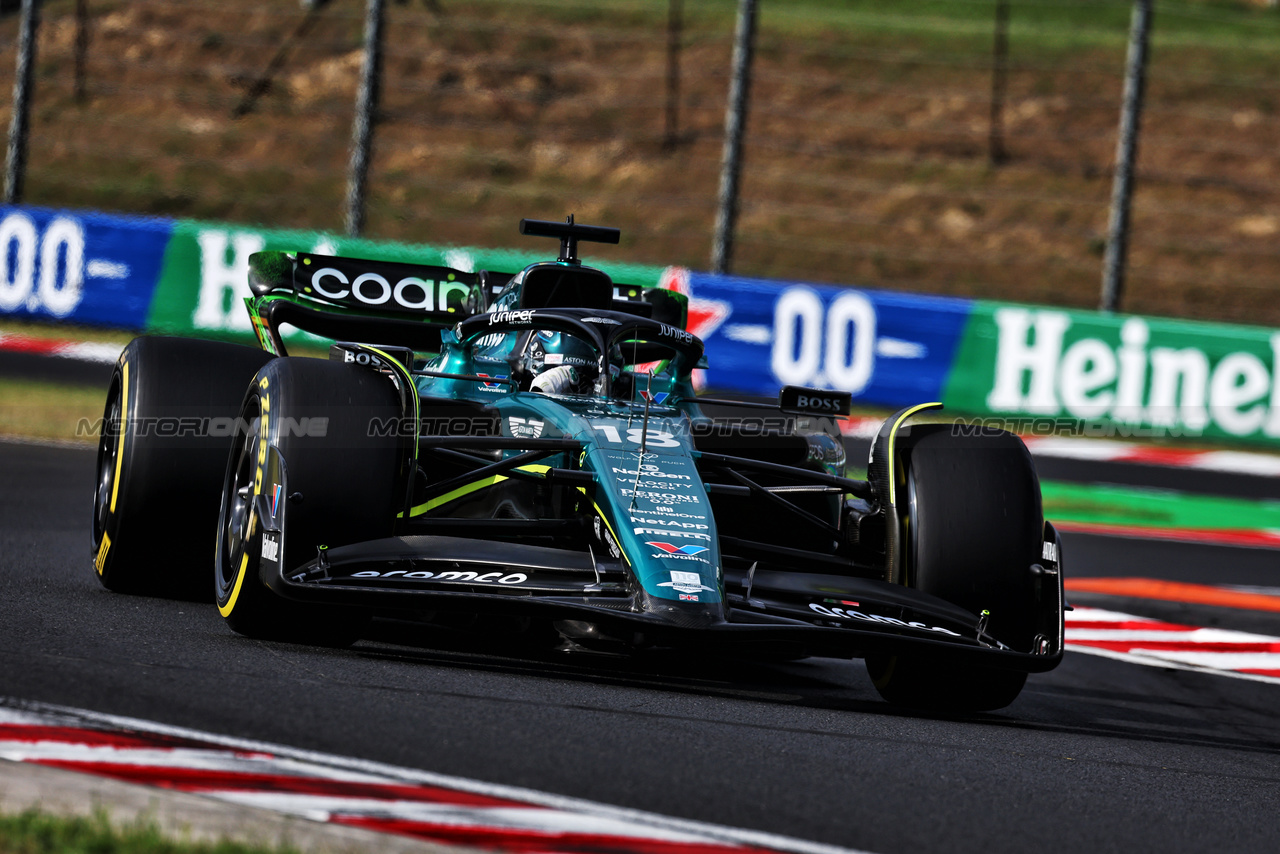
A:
798,613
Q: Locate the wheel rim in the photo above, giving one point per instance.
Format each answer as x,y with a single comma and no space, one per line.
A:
108,453
238,499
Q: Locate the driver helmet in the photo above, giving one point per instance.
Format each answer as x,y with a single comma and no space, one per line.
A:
548,349
561,363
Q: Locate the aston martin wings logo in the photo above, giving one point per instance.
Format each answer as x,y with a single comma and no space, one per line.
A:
525,428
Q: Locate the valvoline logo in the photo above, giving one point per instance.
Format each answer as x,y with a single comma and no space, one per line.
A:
498,381
682,550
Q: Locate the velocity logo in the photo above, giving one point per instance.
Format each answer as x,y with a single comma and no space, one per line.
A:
680,550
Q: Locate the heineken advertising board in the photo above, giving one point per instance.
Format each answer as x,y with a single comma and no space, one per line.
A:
1036,368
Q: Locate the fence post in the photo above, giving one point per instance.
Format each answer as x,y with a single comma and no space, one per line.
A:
366,108
1126,154
15,168
999,81
671,117
734,123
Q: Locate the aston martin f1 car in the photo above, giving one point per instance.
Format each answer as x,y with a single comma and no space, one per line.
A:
532,445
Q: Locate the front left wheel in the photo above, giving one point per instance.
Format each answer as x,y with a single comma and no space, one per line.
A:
319,469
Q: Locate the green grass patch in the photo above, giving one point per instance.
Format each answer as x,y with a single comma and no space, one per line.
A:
36,832
1158,508
33,329
47,411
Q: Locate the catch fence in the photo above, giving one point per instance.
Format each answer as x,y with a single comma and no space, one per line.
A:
904,145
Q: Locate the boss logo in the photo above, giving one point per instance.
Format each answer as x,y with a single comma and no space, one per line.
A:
410,292
826,404
361,358
814,400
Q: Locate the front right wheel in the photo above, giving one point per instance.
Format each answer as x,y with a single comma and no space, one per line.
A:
973,527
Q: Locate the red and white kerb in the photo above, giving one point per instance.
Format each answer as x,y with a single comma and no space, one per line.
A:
1145,641
357,793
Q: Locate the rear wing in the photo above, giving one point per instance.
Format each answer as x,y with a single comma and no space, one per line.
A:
412,291
357,298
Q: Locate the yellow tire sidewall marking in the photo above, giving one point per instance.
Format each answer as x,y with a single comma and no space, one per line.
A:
124,419
101,560
225,610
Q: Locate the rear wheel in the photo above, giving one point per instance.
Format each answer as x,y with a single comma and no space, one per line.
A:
973,528
167,424
311,475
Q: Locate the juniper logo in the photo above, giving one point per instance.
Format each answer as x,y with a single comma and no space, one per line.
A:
1136,377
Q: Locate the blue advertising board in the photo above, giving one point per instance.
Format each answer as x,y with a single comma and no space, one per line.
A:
85,268
885,348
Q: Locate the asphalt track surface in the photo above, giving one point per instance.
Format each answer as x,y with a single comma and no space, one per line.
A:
1099,755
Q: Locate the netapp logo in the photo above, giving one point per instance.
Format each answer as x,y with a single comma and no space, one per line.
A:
697,526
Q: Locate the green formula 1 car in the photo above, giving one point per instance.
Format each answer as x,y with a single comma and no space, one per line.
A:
531,447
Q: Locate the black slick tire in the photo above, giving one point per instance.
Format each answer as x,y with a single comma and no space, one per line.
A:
333,481
973,528
167,425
